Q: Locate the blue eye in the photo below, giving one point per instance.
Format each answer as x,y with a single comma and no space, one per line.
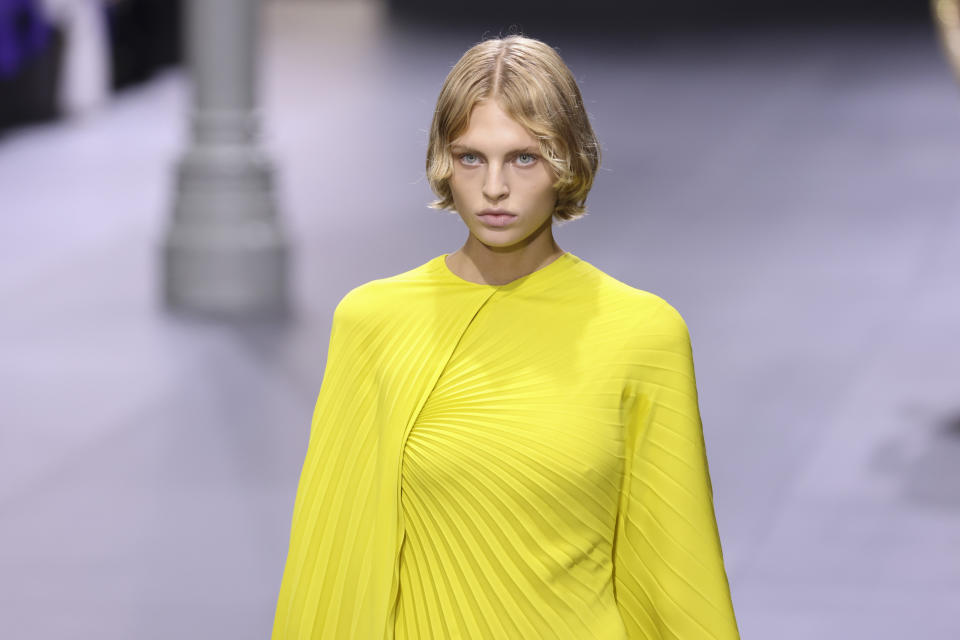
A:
532,157
525,159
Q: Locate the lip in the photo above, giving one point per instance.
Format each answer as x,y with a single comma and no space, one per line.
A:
496,218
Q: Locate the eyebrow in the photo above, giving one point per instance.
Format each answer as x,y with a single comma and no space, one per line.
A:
468,149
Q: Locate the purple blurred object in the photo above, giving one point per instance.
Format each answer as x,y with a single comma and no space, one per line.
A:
24,32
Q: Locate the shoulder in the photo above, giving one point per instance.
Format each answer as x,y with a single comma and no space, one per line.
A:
374,298
660,327
664,316
362,305
645,311
659,346
653,327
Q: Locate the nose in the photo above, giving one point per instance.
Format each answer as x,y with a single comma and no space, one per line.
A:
495,186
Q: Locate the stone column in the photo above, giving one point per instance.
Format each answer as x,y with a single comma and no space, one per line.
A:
224,253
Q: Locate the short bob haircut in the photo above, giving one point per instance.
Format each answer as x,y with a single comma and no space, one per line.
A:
530,81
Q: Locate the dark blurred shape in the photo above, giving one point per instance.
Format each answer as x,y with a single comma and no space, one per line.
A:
145,36
30,49
133,39
952,425
618,16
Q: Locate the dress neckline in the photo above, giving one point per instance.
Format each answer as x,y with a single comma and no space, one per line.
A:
564,258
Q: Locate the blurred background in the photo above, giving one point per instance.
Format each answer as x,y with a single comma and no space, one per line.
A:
784,174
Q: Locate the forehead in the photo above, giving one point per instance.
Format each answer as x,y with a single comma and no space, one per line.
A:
492,128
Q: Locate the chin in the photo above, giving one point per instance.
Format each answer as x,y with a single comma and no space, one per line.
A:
501,241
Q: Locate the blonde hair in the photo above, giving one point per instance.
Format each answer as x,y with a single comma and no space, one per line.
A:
530,81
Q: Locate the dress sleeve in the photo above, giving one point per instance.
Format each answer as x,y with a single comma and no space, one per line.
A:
669,577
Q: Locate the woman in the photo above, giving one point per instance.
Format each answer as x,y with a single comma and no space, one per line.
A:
507,441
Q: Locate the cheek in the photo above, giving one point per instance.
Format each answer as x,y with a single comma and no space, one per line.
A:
461,193
544,188
455,186
459,183
543,180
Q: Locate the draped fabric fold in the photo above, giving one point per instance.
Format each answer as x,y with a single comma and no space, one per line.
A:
505,461
668,562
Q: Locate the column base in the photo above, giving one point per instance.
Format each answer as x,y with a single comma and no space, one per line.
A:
235,271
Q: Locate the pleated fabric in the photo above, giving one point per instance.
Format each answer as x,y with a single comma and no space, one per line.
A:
505,461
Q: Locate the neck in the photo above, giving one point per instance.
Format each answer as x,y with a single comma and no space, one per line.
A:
484,264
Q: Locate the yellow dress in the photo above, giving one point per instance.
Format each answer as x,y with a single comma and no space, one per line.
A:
505,461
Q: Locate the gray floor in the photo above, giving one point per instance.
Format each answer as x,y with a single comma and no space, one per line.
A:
793,194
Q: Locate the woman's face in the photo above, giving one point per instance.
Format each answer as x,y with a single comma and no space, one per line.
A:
497,165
